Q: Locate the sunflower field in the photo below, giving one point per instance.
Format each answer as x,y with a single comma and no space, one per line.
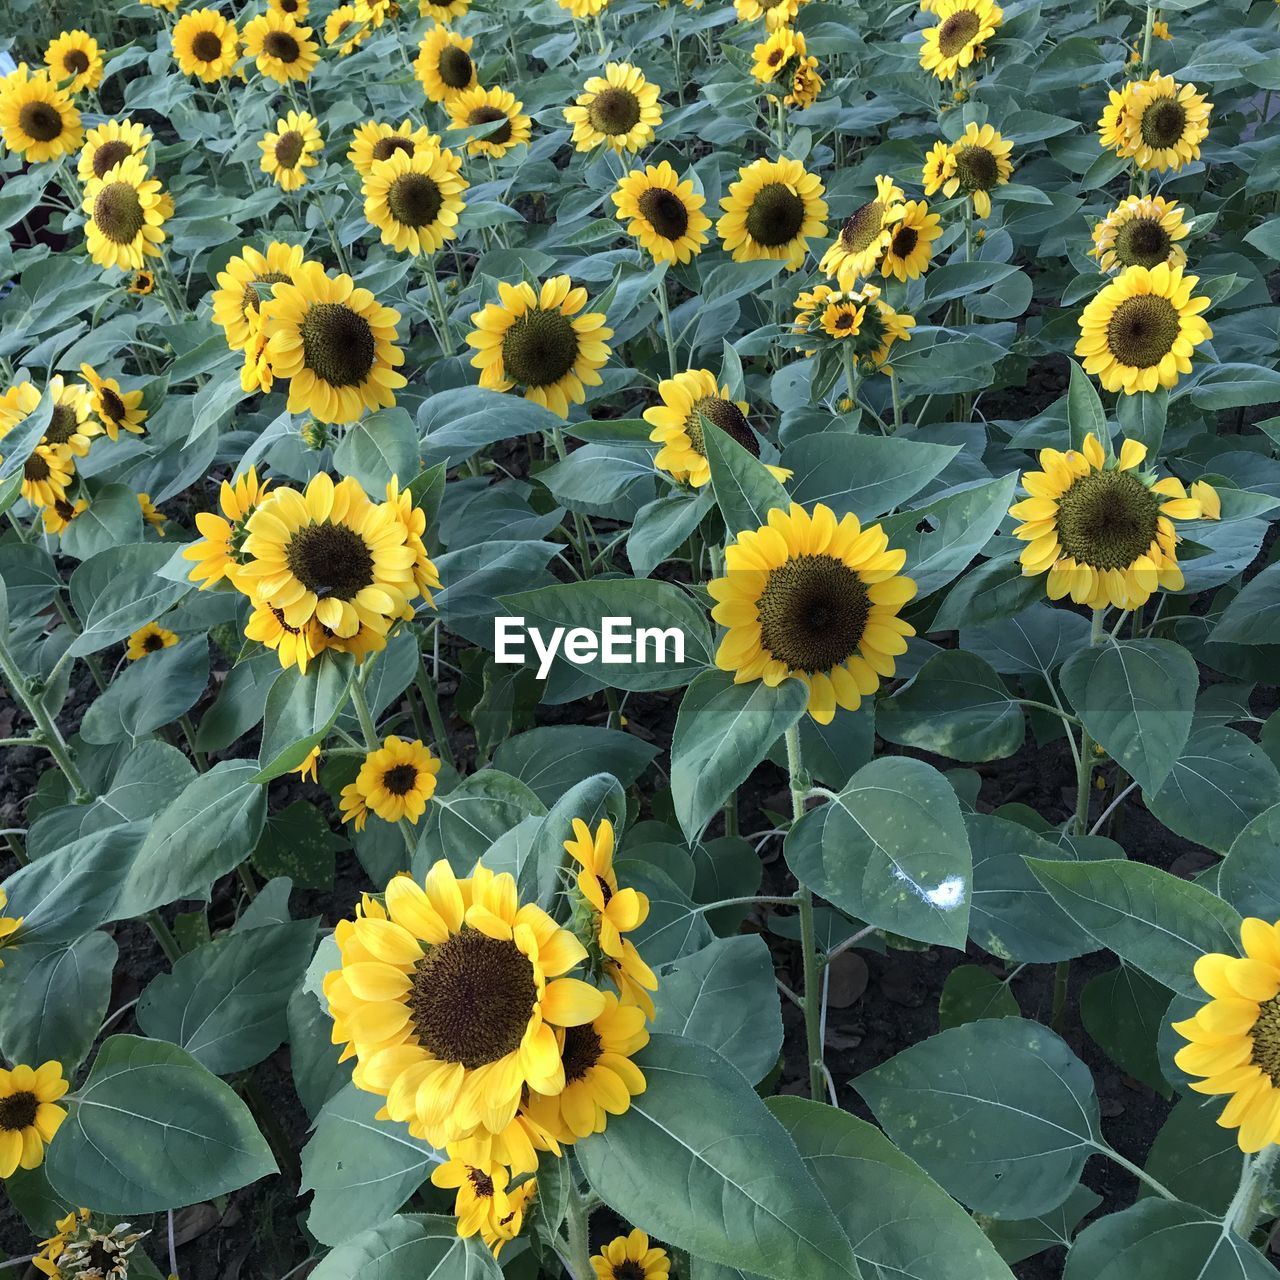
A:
639,639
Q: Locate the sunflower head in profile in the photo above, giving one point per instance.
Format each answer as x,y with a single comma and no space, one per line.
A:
816,599
148,640
443,65
451,997
772,211
245,283
70,426
486,1204
374,141
662,212
151,514
958,38
9,926
631,1257
290,149
1141,231
38,121
115,409
414,200
1157,123
864,235
127,211
343,29
74,61
335,343
541,341
1101,529
426,577
282,49
910,248
398,779
619,110
46,474
806,84
1140,330
776,13
29,1114
206,45
107,144
495,112
219,551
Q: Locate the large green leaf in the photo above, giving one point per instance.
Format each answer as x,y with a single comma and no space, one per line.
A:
746,491
1253,616
1247,879
552,758
152,692
410,1247
300,711
463,822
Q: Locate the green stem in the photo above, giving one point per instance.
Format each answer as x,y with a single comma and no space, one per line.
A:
437,299
371,740
432,703
897,401
1084,770
665,308
1255,1179
189,732
91,661
164,936
808,933
583,543
578,1231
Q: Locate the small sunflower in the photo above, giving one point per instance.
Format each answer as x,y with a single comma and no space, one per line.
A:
865,235
46,474
619,110
631,1257
29,1114
115,410
151,514
910,248
218,553
773,57
776,13
107,144
244,284
9,926
127,211
538,341
1157,123
414,200
474,108
206,44
58,517
295,9
257,374
975,164
842,318
817,599
351,804
292,149
335,343
294,646
373,13
958,38
662,212
38,121
147,640
398,779
70,425
806,84
309,767
1141,231
282,49
74,61
374,141
1102,530
344,29
167,5
443,10
482,1201
443,65
141,283
772,211
1140,331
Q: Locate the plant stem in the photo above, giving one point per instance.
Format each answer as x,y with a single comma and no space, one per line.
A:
437,299
1084,773
897,401
371,740
432,702
1255,1178
665,307
1138,1172
164,936
808,934
577,1227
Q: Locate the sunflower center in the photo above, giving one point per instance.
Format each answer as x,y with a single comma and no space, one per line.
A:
481,1183
76,61
1142,330
40,121
258,290
206,46
1163,122
108,156
1142,242
846,319
813,611
1107,519
36,468
455,67
288,6
112,405
100,1258
614,111
1266,1039
977,169
400,779
957,32
665,212
776,215
724,414
153,643
860,231
385,148
337,344
628,1270
118,212
491,115
289,149
62,426
330,560
904,242
540,348
64,509
414,200
471,999
582,1050
18,1111
282,46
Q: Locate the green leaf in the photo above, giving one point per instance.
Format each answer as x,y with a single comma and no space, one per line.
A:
1123,1010
150,1130
675,927
1020,1239
661,527
464,821
298,842
1085,415
1000,1112
745,1197
956,279
113,519
240,702
383,445
552,758
149,693
745,489
1142,417
989,592
1247,879
300,712
972,993
1195,1157
1235,386
1253,616
410,1247
120,590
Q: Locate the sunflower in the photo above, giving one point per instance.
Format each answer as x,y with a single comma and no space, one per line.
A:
806,85
776,13
1157,123
474,108
678,426
772,211
309,767
1141,231
74,61
257,374
373,141
865,235
218,553
662,212
619,110
842,318
167,5
206,45
244,284
37,120
29,1114
294,646
772,57
335,343
451,998
482,1201
538,341
107,144
959,37
910,247
151,514
976,163
373,13
70,425
149,639
88,1254
295,9
443,10
15,404
57,517
46,474
127,211
141,283
115,410
443,65
283,49
351,803
414,200
631,1257
344,29
815,598
9,926
413,520
291,149
398,779
1139,331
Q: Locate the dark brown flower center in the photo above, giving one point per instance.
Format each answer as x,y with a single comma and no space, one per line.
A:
36,468
18,1111
845,318
860,231
1142,242
385,148
665,212
582,1050
977,169
111,405
414,199
76,61
258,290
62,426
282,46
1266,1039
289,149
540,348
153,642
1163,122
206,46
957,31
776,215
904,242
724,414
118,212
1107,519
40,121
813,611
628,1270
491,115
455,67
400,779
481,1183
1142,330
337,344
107,156
330,560
614,111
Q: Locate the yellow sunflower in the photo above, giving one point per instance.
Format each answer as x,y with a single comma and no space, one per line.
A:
486,1204
975,164
1102,530
443,10
865,235
772,211
152,514
57,517
373,141
443,65
398,779
127,211
206,44
257,374
294,646
344,29
295,9
108,143
9,926
842,318
538,341
292,149
15,404
1157,123
662,212
141,283
474,108
1140,330
771,58
147,640
38,120
910,248
351,803
70,425
583,8
619,110
806,84
451,998
1141,231
414,200
815,598
776,13
631,1257
218,553
74,61
373,13
335,343
46,475
29,1114
426,577
115,410
309,768
283,49
244,284
958,38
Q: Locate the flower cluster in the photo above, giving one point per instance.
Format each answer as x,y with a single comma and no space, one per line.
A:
889,233
78,1250
974,165
783,60
857,321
